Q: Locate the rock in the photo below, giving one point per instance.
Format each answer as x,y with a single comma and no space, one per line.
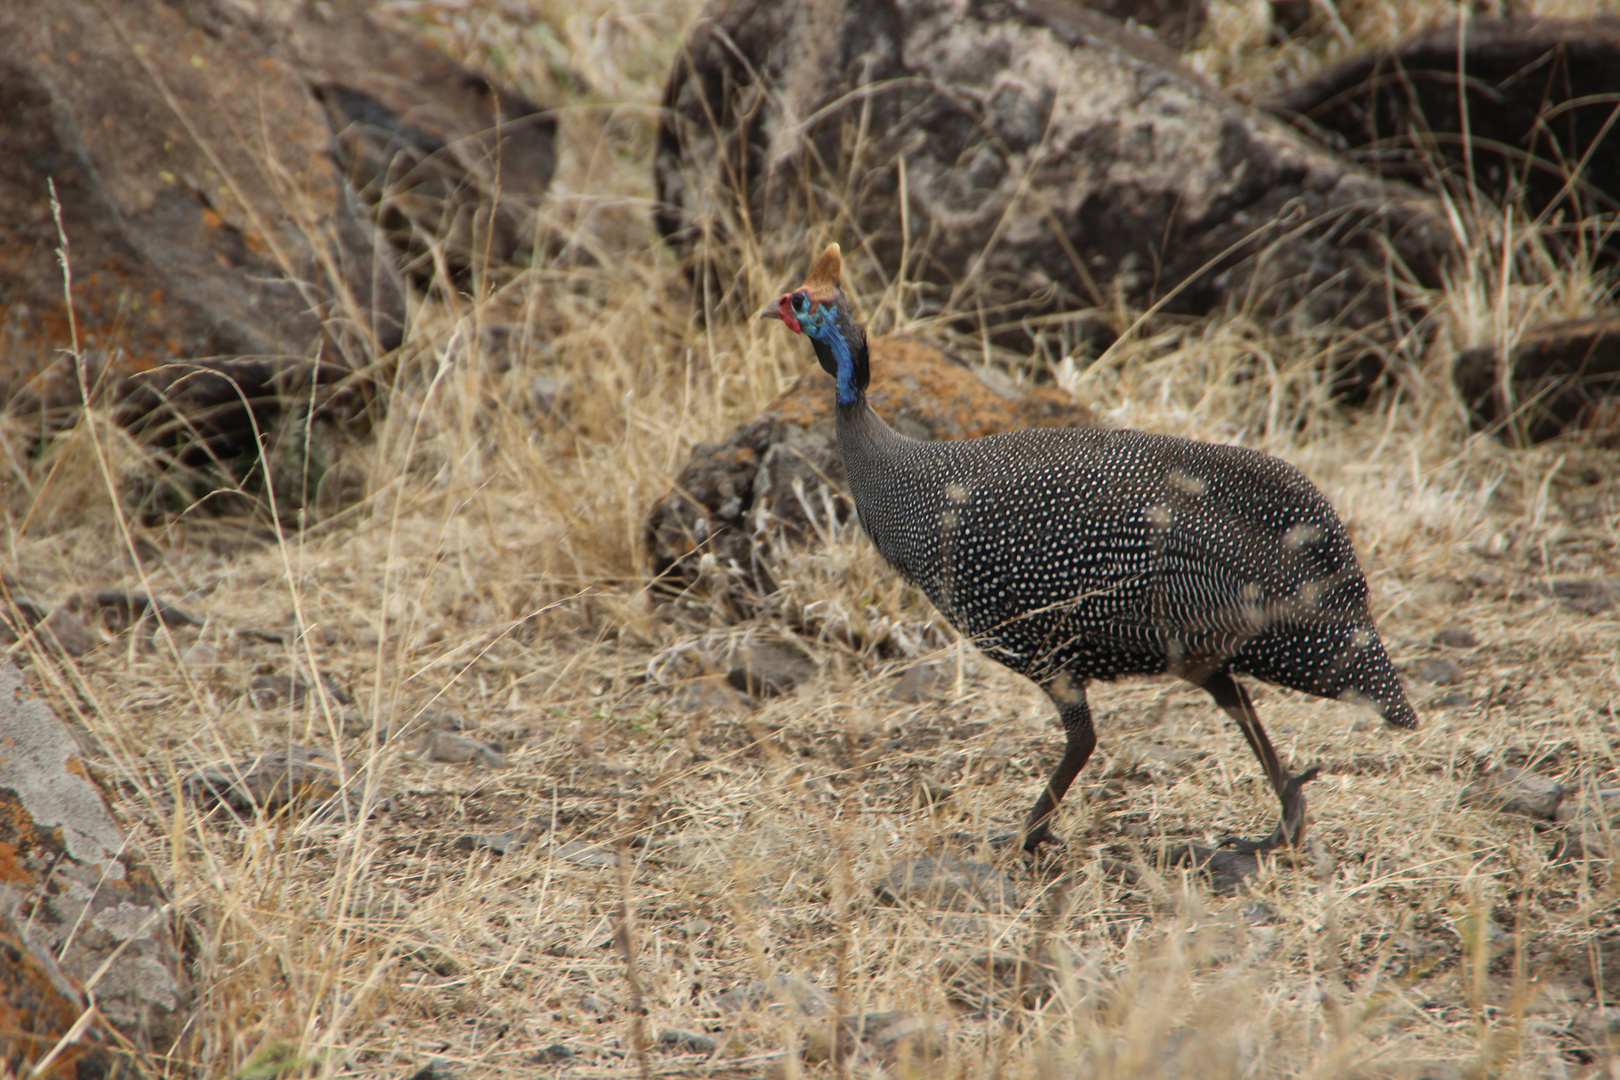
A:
1439,670
1598,809
38,1008
295,778
737,500
444,157
687,1042
1516,791
554,1054
1557,378
1453,700
889,1038
228,233
78,906
451,749
949,885
19,613
1226,869
1537,91
67,632
784,991
1456,637
707,694
1590,596
1053,160
768,668
583,854
121,611
297,690
435,1069
918,683
998,978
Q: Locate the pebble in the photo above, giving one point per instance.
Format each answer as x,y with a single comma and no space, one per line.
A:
297,775
68,632
949,885
1226,869
1440,670
791,990
1516,791
769,668
918,683
449,748
1456,637
691,1042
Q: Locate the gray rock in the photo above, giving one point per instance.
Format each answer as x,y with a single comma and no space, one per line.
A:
1456,637
296,778
707,694
68,632
77,903
1439,670
581,854
1053,157
689,1042
881,1039
917,683
1599,809
949,884
785,991
1227,869
297,690
449,748
1590,596
769,668
1516,791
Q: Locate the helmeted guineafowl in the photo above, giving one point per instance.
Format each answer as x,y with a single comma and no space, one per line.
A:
1072,555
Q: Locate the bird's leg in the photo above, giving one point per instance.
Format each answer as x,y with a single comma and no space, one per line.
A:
1081,740
1230,696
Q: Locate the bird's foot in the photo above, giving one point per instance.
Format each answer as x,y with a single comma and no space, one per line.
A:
1290,831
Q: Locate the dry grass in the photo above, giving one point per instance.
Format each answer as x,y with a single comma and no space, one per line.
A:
492,569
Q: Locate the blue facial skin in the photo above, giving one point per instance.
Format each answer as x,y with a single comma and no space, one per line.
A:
818,323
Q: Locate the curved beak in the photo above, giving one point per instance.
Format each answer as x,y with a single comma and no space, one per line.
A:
773,310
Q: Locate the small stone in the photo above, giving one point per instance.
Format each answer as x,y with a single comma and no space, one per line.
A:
1516,791
583,854
1456,637
689,1042
68,632
1598,809
297,690
1590,596
121,611
280,779
436,1069
500,843
451,749
917,683
1226,869
708,694
1440,670
1454,700
1260,913
769,668
785,990
949,885
596,1005
551,1055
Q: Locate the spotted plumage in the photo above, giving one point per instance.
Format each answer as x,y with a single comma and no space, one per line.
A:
1073,555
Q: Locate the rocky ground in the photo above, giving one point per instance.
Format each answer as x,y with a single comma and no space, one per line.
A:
440,780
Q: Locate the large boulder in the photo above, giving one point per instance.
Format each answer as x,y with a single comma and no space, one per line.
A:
1021,158
773,477
1561,377
78,908
203,207
1520,110
445,158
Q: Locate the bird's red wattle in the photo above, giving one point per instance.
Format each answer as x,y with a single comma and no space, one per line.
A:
785,305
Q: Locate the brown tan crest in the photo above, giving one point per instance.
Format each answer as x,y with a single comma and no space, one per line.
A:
824,279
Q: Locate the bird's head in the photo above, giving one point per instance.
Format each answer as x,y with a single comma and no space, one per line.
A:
818,310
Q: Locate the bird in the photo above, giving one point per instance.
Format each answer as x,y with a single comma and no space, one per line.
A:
1079,555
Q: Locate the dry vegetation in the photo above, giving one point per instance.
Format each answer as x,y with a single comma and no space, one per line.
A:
492,569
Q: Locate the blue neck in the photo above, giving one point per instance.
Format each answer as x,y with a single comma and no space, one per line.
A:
835,354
